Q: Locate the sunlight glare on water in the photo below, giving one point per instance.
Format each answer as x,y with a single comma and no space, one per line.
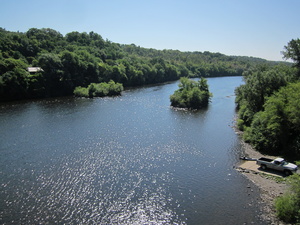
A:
124,160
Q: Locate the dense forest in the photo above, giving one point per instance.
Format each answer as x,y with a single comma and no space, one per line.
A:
269,106
79,59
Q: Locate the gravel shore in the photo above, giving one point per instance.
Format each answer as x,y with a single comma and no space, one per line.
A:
269,187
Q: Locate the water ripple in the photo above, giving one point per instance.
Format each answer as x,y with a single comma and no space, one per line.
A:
125,160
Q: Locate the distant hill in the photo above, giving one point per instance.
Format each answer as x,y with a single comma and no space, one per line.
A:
78,59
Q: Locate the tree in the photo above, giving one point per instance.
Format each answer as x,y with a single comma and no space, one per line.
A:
53,74
276,130
191,94
13,84
292,51
74,68
259,85
119,73
44,38
13,79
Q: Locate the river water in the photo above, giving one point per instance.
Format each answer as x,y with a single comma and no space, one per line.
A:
125,160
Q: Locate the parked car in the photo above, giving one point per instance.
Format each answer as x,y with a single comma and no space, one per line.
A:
277,164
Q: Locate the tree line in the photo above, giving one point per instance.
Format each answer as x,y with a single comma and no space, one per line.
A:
269,114
269,107
79,59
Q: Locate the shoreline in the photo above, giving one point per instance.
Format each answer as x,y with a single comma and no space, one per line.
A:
269,188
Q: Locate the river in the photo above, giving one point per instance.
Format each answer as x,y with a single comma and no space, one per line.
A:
125,160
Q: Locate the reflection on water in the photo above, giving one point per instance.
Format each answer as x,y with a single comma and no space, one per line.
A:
124,160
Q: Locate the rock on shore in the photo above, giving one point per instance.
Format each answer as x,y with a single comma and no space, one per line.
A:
269,188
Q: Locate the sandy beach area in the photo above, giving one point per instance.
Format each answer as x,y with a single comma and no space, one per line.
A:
269,187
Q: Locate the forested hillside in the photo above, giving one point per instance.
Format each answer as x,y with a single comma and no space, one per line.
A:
269,106
79,59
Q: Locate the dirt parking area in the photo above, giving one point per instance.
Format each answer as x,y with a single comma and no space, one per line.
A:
270,187
252,166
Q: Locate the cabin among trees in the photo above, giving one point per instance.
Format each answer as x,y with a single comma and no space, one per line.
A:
33,70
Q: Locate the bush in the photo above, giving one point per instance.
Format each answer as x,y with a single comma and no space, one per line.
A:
288,205
99,90
240,124
81,92
287,209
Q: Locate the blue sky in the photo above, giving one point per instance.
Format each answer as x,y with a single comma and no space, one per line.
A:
259,28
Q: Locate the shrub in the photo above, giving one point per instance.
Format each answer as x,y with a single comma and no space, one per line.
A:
288,205
287,209
99,90
240,124
81,92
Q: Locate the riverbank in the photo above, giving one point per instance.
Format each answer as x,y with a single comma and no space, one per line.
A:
270,187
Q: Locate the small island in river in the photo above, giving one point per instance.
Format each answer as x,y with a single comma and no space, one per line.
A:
191,94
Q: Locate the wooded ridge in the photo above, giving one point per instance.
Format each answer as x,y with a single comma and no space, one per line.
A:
62,63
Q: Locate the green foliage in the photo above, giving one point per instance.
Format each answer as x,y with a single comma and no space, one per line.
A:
276,130
191,94
269,106
79,59
292,51
240,124
288,205
287,209
99,90
260,84
81,92
13,84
